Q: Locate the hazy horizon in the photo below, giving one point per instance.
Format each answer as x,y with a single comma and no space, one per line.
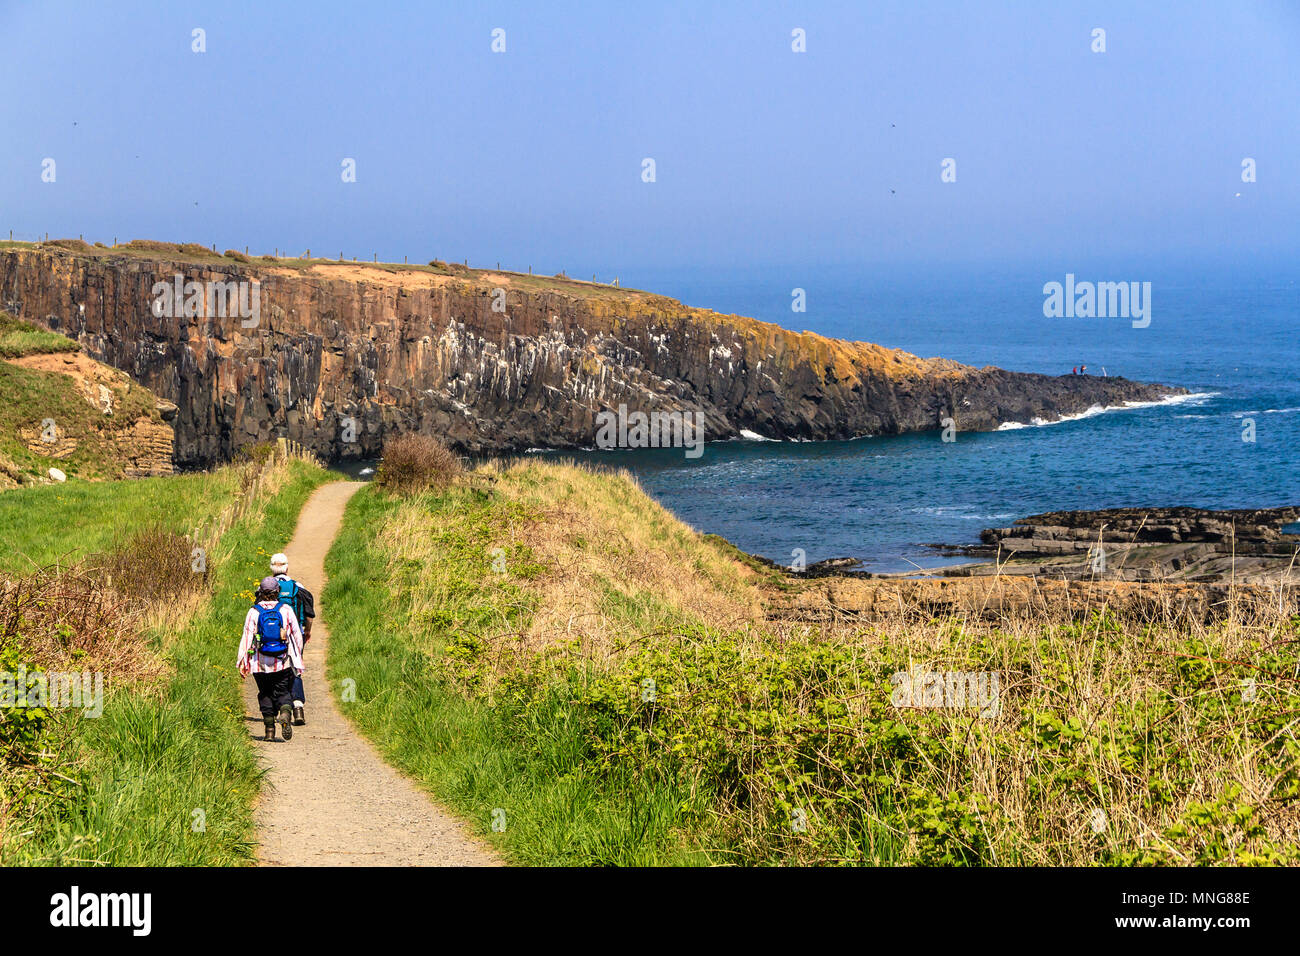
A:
1066,159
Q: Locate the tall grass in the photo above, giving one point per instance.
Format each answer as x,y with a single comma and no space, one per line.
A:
166,776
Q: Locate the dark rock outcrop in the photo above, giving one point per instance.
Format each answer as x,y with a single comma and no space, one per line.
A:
343,354
1142,544
1243,531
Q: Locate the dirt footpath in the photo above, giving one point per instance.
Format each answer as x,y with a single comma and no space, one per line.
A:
328,798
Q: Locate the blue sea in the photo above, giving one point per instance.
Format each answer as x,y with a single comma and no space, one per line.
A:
1233,339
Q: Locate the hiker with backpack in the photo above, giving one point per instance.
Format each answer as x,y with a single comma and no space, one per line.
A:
300,599
271,650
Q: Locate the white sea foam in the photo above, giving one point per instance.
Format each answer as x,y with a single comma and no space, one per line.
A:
1267,411
1192,398
952,511
746,434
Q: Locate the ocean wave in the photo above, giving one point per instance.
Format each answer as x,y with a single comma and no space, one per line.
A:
1267,411
1192,398
952,511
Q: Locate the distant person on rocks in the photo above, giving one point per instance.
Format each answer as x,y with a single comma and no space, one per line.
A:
1075,370
300,599
271,650
1083,370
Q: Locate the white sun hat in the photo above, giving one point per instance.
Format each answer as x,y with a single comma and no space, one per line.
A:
279,563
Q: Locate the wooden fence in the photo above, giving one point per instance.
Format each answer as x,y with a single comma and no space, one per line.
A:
255,486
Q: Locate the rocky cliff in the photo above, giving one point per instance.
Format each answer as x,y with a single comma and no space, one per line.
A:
343,353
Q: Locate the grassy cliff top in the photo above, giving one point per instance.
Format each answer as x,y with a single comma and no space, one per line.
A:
600,298
62,409
195,254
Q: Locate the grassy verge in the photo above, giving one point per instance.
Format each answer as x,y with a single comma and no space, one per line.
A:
166,775
64,523
401,647
548,642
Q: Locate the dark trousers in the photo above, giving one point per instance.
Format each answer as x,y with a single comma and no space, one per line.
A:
274,691
297,688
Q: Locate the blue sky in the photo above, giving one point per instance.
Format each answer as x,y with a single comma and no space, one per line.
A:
764,157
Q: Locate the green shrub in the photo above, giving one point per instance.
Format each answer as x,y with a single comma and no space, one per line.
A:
258,452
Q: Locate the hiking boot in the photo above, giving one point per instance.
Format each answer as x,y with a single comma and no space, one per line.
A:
286,721
299,717
269,722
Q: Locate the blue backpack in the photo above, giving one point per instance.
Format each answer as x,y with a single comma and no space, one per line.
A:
289,596
270,632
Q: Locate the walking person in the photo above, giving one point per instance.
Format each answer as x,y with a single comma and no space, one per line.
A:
271,650
300,599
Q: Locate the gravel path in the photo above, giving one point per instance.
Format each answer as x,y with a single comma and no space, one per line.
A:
329,799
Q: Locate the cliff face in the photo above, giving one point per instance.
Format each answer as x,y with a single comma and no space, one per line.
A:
344,353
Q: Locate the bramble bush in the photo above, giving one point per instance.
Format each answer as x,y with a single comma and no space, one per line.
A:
413,463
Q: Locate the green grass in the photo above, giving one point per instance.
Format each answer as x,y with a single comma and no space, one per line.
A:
64,523
559,808
156,765
19,338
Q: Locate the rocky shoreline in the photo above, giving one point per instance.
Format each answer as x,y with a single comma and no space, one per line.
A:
1189,545
1144,544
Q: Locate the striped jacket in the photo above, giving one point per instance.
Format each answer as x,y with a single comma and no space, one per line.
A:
250,663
